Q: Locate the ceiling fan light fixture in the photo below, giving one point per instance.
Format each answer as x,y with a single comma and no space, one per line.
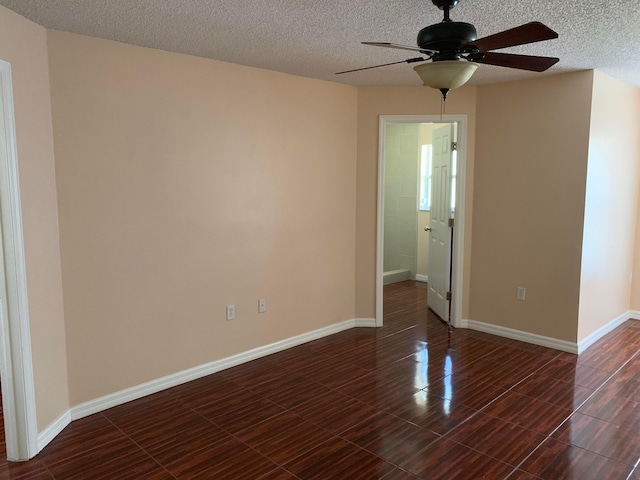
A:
446,74
456,51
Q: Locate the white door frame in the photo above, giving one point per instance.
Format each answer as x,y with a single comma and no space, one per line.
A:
458,231
16,369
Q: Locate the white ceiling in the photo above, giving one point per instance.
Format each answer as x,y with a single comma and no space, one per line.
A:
318,38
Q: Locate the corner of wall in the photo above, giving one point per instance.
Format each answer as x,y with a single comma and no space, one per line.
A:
611,205
23,44
526,130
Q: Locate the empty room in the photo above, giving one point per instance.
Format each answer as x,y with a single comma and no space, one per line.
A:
288,241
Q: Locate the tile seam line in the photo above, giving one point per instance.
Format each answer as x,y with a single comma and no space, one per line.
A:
579,406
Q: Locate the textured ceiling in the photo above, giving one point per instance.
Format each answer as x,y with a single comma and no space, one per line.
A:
318,38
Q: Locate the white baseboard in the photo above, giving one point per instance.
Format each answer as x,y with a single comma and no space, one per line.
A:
52,431
550,342
365,322
395,276
602,331
422,278
154,386
527,337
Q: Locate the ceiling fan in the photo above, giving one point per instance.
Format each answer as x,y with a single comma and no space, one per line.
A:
455,50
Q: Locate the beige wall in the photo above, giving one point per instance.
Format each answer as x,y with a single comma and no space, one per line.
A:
24,45
634,99
424,220
611,204
376,101
187,184
531,160
635,284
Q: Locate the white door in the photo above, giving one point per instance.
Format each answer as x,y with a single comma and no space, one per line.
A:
440,237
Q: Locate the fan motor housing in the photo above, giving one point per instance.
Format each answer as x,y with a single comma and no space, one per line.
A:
447,38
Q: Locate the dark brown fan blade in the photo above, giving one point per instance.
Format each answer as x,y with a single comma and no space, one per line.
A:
399,47
527,33
521,62
410,60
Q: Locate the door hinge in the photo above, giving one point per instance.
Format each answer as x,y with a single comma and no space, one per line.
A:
454,146
451,223
449,296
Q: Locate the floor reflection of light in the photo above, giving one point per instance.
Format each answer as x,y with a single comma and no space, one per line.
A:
448,364
448,389
420,379
422,355
421,399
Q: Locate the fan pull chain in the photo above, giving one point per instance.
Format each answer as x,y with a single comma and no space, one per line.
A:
443,101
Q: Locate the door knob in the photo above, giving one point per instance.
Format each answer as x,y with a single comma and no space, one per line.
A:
427,229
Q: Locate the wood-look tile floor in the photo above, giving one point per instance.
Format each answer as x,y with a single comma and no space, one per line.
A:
409,400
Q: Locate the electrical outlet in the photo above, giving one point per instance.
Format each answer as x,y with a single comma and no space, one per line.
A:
231,312
262,305
522,293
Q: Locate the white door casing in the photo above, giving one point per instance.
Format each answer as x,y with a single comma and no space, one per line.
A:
18,393
440,235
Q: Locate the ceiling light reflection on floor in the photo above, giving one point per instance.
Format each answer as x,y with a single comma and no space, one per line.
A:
421,380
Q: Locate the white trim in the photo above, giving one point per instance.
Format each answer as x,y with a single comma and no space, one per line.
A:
154,386
365,322
602,331
395,276
457,266
634,315
527,337
53,430
380,223
458,231
18,393
422,278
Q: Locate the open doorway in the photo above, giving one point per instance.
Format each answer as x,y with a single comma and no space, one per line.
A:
411,172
